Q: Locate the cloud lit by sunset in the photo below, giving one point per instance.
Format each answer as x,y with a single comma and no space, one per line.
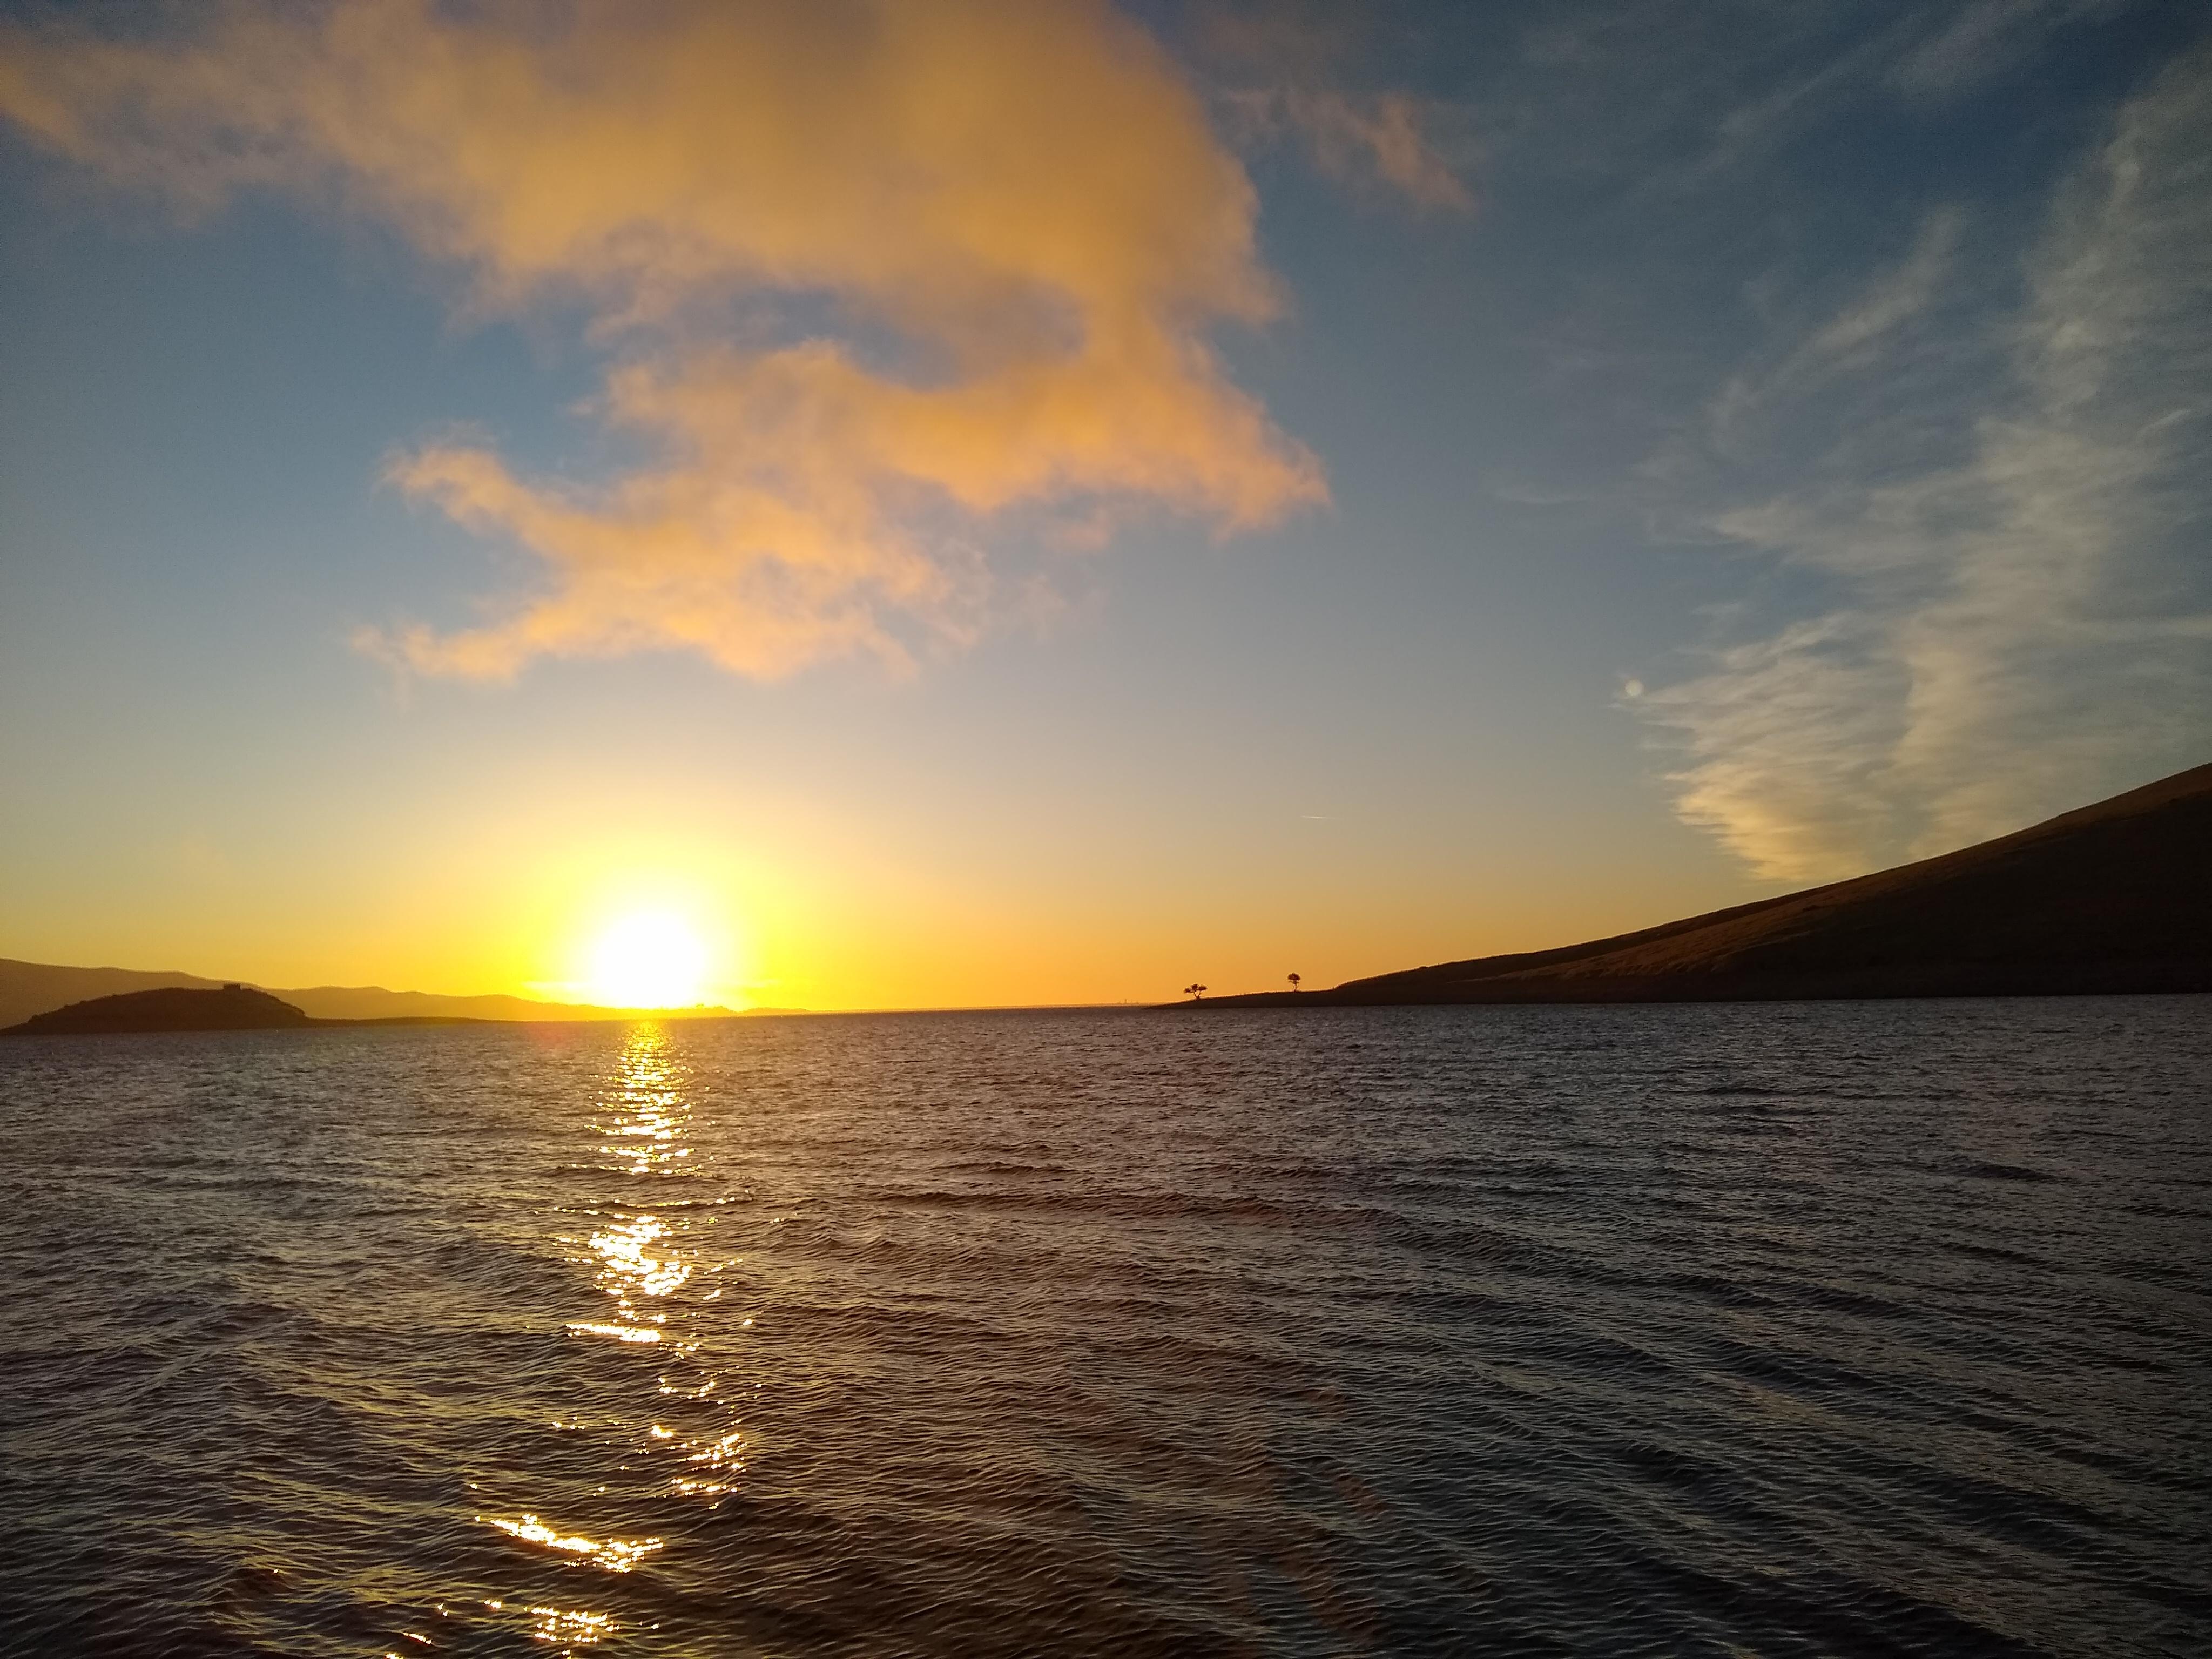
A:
863,278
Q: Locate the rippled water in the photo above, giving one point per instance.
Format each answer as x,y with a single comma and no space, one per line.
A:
1864,1328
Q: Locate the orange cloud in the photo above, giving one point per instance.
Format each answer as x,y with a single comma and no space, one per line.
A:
867,274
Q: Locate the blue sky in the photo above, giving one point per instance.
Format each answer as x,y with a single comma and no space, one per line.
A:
1758,444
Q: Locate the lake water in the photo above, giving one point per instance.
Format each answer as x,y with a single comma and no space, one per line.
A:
1811,1329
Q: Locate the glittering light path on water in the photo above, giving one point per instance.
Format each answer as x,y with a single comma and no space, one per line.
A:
648,1255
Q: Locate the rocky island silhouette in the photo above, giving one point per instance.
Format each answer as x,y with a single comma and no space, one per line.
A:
169,1008
186,1008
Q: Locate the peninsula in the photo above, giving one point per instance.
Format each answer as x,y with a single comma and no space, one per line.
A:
2112,898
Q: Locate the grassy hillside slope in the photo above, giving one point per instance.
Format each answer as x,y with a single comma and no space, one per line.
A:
2113,898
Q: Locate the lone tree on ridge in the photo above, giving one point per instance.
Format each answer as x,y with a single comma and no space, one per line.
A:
1294,984
1195,991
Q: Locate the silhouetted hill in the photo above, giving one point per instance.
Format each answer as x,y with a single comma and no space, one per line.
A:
33,987
2114,898
171,1008
232,1008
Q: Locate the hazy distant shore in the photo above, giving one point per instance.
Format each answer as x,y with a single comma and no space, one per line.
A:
29,988
235,1007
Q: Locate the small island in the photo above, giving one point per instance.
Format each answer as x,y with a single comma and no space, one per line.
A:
187,1008
173,1008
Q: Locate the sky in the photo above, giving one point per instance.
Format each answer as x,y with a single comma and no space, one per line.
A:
971,505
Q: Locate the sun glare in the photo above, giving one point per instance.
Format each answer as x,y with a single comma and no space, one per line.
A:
648,959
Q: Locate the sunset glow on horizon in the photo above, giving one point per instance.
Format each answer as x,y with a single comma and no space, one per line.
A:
990,505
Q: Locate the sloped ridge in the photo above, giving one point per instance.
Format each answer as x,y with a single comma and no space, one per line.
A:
2112,897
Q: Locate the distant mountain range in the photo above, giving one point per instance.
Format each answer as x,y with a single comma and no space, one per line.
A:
37,987
2115,897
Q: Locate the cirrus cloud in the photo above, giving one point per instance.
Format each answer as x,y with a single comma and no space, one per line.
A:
866,275
2017,625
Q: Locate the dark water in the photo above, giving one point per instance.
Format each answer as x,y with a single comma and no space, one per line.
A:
1788,1330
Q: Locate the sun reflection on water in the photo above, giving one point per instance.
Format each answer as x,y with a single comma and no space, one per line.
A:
648,1254
615,1554
652,1113
570,1627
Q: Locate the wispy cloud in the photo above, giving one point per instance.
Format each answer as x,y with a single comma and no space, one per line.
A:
1984,38
1863,337
2019,629
1895,299
1379,137
1287,72
867,278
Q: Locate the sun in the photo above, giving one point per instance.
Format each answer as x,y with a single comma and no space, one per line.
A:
648,959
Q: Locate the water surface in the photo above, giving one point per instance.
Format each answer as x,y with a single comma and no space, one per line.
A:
1804,1330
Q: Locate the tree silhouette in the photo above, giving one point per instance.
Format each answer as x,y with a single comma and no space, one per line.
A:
1195,992
1294,982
